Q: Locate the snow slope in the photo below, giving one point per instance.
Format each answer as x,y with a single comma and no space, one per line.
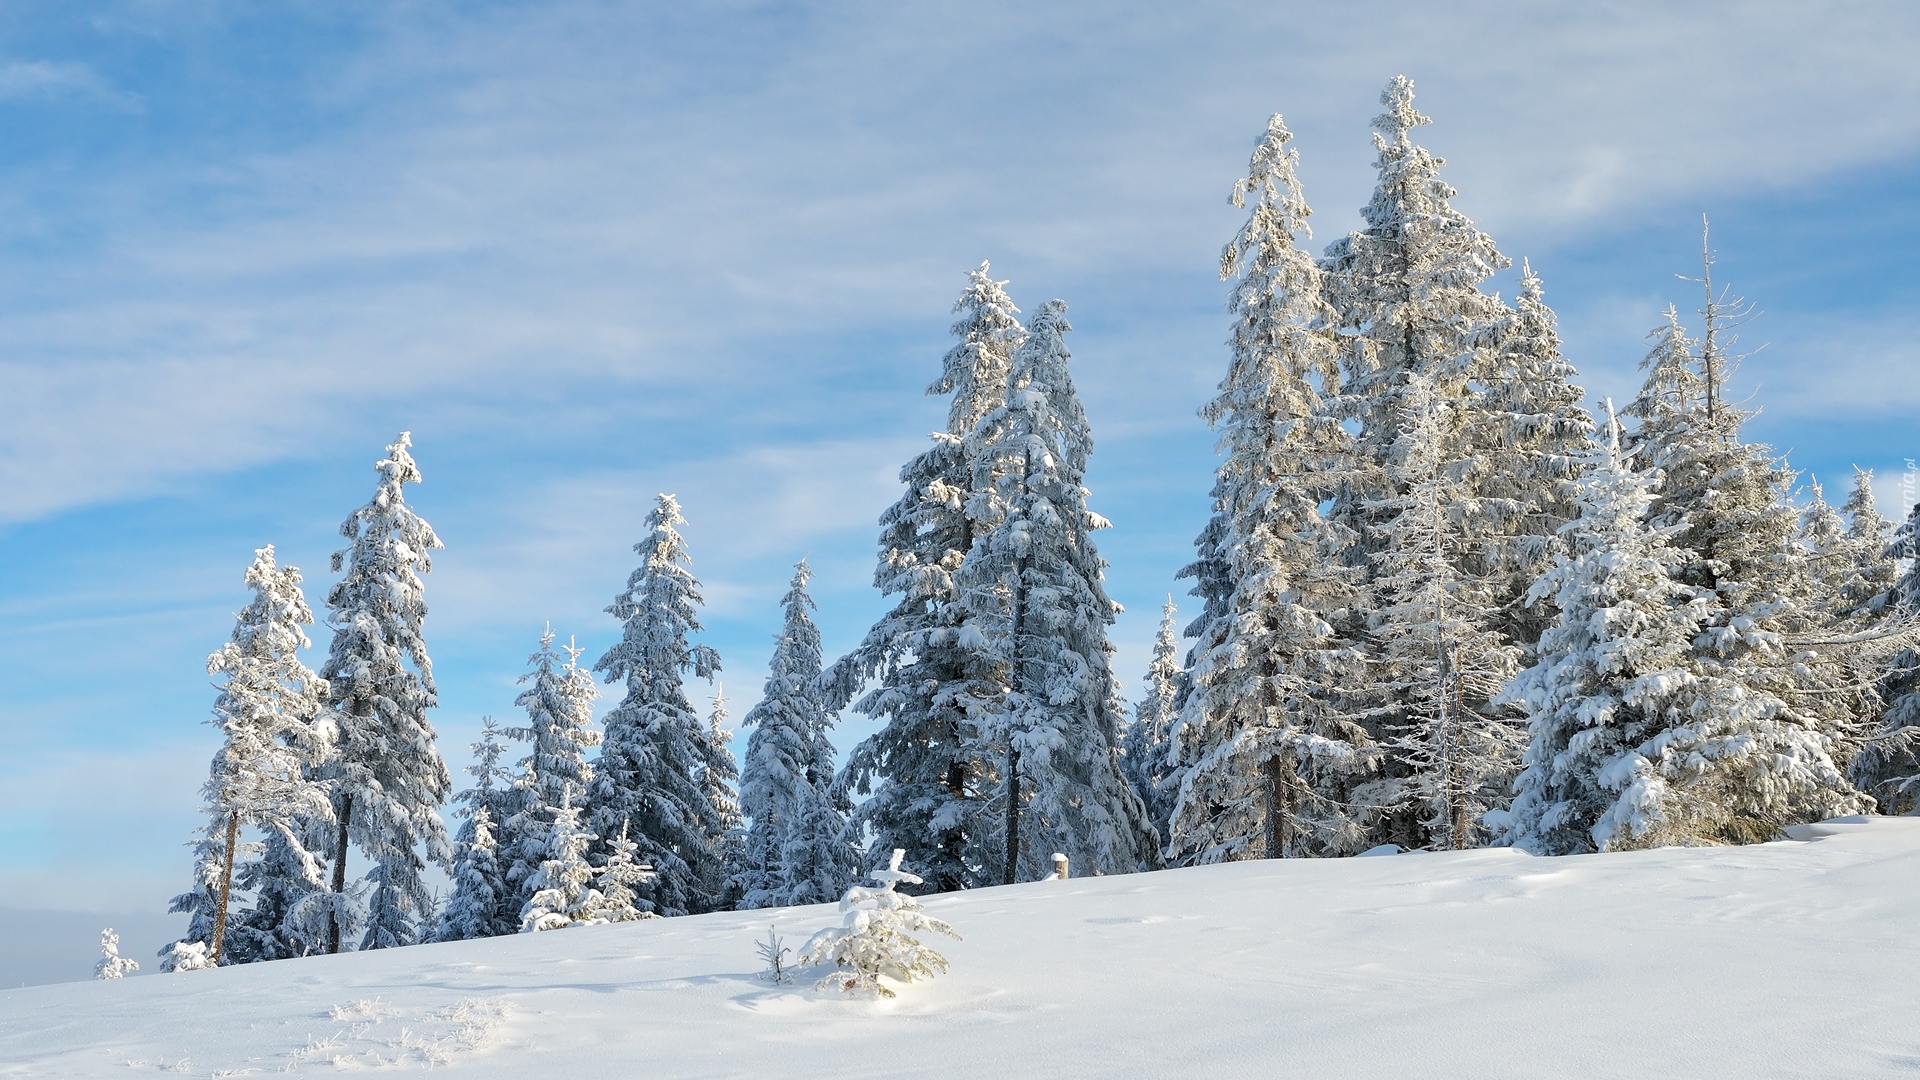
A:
1790,959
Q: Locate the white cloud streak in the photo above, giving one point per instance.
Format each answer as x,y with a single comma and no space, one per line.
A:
46,80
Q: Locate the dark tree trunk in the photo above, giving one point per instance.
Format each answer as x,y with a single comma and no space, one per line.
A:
953,845
226,888
339,872
1014,680
1013,816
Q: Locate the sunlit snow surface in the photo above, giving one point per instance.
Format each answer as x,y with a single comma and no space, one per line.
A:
1788,959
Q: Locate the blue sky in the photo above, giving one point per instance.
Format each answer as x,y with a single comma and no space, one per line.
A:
586,252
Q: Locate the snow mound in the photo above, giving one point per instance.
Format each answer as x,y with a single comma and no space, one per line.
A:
1780,960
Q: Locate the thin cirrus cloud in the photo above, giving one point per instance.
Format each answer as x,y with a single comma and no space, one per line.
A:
29,80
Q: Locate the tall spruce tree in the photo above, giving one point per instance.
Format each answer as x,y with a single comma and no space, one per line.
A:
265,711
1612,677
387,778
1405,291
1434,654
1260,740
1041,694
720,780
795,852
1785,661
1148,736
1530,433
923,770
648,778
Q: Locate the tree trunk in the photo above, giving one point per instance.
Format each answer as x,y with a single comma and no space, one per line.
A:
226,888
1279,804
1013,815
953,845
339,873
1709,354
1013,684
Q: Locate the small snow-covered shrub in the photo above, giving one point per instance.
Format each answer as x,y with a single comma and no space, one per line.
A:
112,965
186,956
876,937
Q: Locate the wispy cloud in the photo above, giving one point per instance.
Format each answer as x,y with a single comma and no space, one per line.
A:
572,189
42,80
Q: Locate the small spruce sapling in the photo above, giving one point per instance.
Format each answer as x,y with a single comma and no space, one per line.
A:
619,902
877,937
112,965
774,955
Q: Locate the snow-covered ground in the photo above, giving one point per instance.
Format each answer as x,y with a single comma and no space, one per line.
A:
1789,959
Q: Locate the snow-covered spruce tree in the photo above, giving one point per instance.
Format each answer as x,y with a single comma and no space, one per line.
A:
265,711
561,891
1612,676
816,860
1888,766
922,768
1259,741
111,964
1732,498
788,774
1406,294
1040,693
877,937
1529,432
475,908
482,904
648,777
1835,601
1873,591
387,778
758,881
720,779
1830,561
559,728
281,923
620,879
559,724
1452,754
1146,742
1868,587
202,902
1636,739
1795,665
